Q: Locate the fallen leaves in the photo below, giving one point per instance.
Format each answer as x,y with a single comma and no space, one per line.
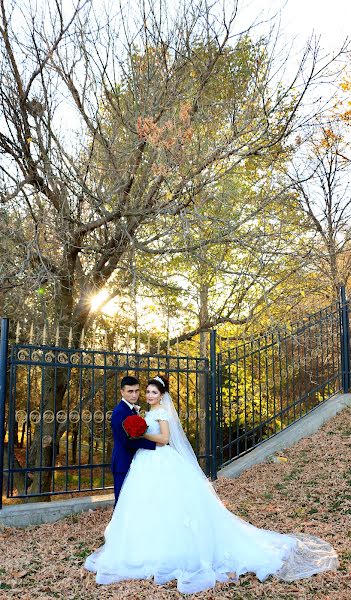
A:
19,574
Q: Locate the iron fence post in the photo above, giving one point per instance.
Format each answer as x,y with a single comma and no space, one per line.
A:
208,421
3,375
345,340
213,374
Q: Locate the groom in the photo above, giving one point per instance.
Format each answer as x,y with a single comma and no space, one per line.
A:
124,448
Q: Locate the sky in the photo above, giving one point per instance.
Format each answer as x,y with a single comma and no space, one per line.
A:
299,18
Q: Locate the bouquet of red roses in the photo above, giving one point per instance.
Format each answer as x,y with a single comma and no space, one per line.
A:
134,426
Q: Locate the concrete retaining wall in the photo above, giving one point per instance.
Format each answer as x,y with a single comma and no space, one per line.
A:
308,425
36,513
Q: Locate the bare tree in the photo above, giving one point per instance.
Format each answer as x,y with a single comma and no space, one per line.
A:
322,181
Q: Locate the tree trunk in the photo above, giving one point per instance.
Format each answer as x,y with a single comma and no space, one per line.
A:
109,449
55,385
18,480
41,450
22,435
74,445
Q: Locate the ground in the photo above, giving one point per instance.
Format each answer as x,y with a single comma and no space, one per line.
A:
307,490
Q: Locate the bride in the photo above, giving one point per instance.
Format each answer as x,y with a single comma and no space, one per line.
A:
170,524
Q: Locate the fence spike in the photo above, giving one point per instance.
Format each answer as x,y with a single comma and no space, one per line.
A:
168,346
31,334
94,338
105,341
158,346
127,342
148,344
57,340
18,331
70,336
44,335
138,342
177,345
81,340
116,342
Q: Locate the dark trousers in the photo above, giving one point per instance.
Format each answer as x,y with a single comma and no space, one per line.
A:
118,479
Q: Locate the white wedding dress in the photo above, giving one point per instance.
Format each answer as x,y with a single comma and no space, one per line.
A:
169,524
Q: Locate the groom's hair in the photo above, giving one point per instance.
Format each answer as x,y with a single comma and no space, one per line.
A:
129,380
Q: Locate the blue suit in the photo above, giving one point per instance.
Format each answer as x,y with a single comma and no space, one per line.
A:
124,448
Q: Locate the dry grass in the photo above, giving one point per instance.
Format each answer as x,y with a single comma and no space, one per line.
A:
310,492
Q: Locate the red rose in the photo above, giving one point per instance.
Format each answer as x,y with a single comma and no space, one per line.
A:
134,426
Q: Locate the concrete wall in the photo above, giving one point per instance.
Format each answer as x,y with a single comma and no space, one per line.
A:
308,425
36,513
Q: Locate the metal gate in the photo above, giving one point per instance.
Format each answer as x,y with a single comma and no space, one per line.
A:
56,404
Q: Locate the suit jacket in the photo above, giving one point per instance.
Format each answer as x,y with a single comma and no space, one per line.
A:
124,448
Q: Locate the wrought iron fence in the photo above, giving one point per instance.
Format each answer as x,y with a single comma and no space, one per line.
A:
56,403
268,383
56,431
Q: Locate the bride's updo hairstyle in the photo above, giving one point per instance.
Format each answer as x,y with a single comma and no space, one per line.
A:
160,382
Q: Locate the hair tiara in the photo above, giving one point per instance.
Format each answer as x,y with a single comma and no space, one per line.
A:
160,380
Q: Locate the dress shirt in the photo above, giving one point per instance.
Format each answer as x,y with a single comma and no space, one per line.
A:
132,406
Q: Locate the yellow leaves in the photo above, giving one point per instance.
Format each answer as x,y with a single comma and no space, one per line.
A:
328,133
288,327
346,116
346,86
329,139
344,107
